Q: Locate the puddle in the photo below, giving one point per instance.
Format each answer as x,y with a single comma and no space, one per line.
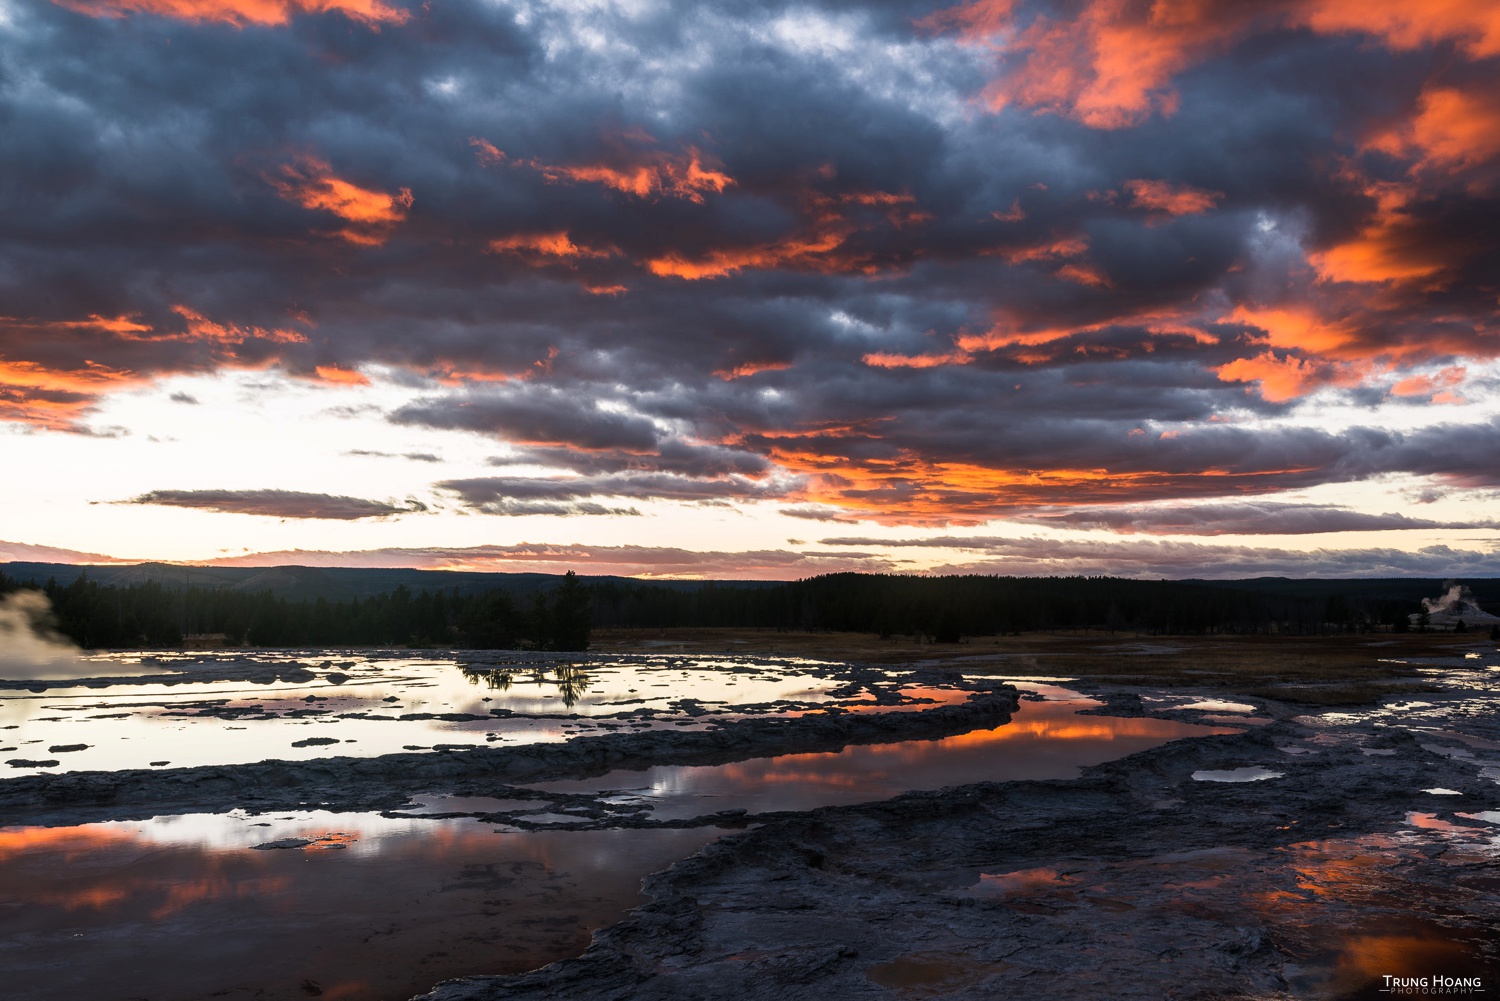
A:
429,804
1045,739
182,908
1409,905
1218,706
222,709
1250,773
1406,959
1488,816
1006,884
1432,822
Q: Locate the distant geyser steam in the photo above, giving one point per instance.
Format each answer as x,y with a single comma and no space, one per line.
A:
30,648
1456,605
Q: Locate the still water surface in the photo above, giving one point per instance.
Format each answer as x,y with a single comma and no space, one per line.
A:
1046,739
375,908
184,710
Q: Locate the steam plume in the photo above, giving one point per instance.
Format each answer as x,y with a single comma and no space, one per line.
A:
30,648
1457,604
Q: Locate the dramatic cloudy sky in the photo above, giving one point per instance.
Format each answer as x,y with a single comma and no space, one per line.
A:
1170,288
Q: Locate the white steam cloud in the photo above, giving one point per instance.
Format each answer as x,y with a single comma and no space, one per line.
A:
1456,605
30,648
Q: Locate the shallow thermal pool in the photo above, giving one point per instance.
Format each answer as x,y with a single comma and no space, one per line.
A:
365,907
182,710
179,908
1046,739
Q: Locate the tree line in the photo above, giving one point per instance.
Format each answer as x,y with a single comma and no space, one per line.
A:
940,609
944,609
99,616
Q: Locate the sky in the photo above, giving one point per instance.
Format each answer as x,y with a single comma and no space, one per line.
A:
1183,288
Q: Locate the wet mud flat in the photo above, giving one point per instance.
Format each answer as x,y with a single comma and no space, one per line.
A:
1061,846
373,878
1310,856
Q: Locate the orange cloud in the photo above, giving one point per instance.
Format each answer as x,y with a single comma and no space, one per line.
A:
200,328
371,214
1009,332
1453,130
1388,250
341,376
810,253
1391,248
1439,387
1083,274
1173,199
819,246
55,397
1052,249
677,176
88,377
884,359
242,13
908,489
746,369
196,327
1299,327
1346,350
1281,378
1287,378
1109,63
120,325
540,249
1407,24
629,169
486,151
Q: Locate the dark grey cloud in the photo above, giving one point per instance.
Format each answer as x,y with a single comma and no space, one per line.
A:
813,513
280,503
751,338
524,495
532,415
520,508
411,456
1178,560
671,455
1264,518
626,560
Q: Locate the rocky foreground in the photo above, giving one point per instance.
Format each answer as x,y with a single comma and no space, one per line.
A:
1135,881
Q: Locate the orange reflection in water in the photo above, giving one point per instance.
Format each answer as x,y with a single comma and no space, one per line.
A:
1020,881
185,908
1363,910
1370,957
1044,740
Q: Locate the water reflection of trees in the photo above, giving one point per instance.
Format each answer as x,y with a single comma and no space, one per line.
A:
570,679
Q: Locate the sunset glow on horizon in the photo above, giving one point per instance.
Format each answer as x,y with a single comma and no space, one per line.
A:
1178,288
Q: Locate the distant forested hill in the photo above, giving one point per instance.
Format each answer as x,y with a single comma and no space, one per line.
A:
157,605
294,582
